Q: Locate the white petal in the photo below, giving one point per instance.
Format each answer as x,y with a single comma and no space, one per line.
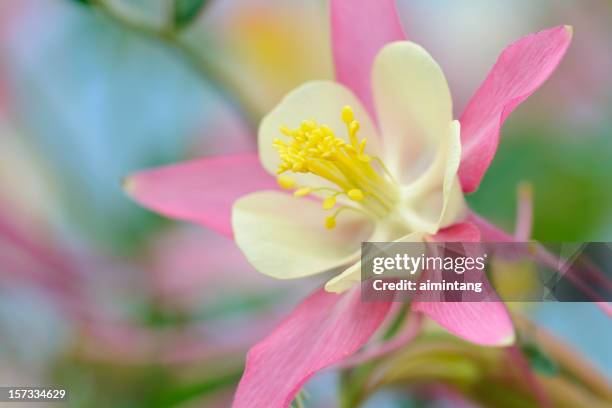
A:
352,275
284,237
435,199
343,282
321,101
414,107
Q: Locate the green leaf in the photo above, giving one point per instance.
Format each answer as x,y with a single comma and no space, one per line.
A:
186,11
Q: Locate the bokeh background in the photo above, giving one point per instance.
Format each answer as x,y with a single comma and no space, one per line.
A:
128,309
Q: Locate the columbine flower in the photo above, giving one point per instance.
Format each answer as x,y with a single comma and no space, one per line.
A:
376,155
398,183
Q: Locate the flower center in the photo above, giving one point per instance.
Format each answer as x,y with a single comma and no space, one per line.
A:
314,148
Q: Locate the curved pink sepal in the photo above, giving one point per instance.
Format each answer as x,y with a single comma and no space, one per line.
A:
486,323
519,71
323,330
461,232
360,28
201,191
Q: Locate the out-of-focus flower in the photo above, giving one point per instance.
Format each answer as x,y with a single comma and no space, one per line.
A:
258,41
396,91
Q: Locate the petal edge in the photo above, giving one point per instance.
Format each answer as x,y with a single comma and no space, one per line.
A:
486,323
323,330
200,191
354,48
519,71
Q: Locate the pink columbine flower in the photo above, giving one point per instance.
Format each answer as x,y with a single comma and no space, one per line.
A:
379,150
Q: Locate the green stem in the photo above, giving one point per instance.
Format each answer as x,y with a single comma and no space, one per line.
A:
200,63
398,322
300,398
354,382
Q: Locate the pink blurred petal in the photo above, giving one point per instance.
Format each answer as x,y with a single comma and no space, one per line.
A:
4,92
201,191
519,71
360,28
194,266
323,330
29,256
486,323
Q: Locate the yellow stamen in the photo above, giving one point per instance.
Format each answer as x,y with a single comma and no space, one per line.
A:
329,203
314,148
301,192
353,128
286,182
355,194
347,114
362,146
330,222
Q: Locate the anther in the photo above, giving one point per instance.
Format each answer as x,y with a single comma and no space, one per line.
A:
301,192
286,182
330,222
347,114
329,203
355,194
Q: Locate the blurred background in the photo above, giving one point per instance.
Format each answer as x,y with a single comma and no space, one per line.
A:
128,309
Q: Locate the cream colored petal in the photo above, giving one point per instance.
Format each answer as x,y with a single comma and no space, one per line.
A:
352,275
414,107
435,199
343,282
284,237
321,101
